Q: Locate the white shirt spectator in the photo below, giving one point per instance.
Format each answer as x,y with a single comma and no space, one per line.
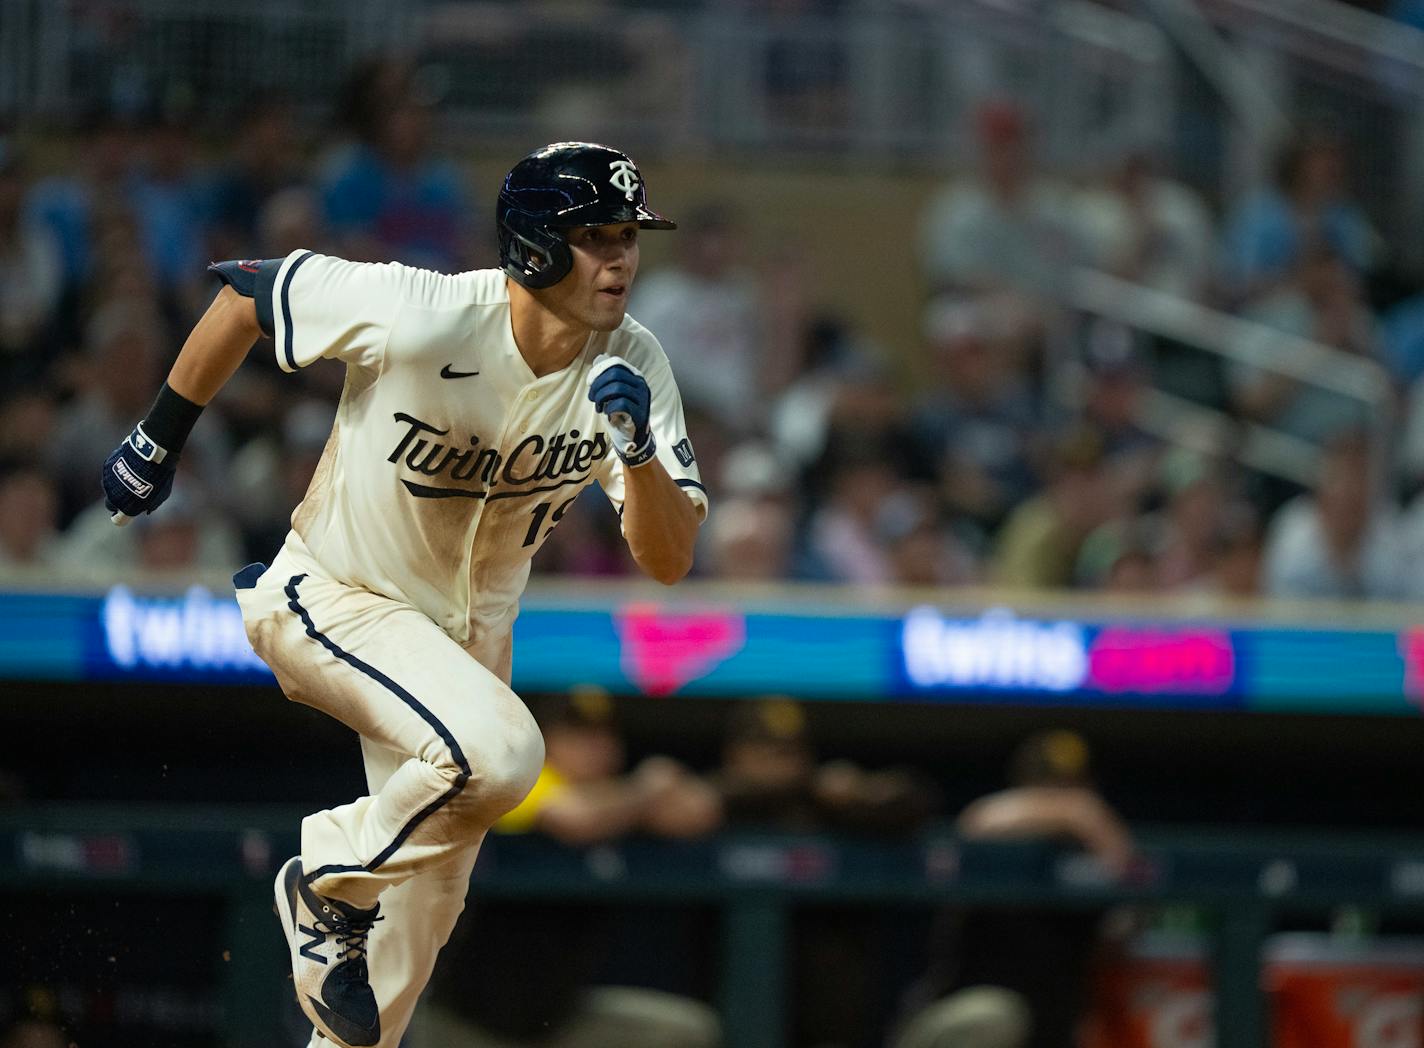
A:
1299,562
708,327
1161,238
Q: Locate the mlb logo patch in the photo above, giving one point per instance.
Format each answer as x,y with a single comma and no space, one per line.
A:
683,450
140,442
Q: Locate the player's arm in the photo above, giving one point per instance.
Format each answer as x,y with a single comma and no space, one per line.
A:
591,813
660,520
138,476
1051,811
215,348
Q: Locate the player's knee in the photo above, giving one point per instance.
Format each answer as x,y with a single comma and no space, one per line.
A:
505,766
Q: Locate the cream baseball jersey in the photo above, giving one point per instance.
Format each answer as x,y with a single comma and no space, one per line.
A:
450,462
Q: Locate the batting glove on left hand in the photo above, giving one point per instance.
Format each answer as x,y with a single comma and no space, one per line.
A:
622,396
137,477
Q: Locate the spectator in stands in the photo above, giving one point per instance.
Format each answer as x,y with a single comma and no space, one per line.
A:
168,199
920,543
869,454
537,997
1410,462
31,275
386,197
1310,206
173,541
588,541
1238,552
708,313
842,539
1203,537
122,344
190,533
263,161
750,540
806,75
1342,539
69,205
976,417
1207,534
291,218
755,538
1116,384
1149,229
1009,231
1018,977
122,271
1322,301
27,421
29,516
1039,544
268,477
1120,556
841,377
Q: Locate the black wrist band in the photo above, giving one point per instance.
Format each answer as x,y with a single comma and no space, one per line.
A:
171,419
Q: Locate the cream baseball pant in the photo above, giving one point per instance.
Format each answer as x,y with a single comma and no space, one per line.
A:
448,749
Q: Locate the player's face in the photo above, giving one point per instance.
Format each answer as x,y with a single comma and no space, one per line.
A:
595,293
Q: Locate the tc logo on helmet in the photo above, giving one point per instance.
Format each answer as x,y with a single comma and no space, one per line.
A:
625,177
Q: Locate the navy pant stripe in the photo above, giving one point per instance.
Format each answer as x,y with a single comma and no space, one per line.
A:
410,700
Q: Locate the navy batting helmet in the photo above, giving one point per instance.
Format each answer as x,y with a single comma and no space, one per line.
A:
558,187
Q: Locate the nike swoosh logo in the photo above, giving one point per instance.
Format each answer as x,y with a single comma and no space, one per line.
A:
445,372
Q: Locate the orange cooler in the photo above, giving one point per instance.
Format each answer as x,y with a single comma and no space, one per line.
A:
1328,993
1155,994
1325,992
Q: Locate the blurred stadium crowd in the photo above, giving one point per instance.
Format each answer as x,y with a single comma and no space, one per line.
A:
823,464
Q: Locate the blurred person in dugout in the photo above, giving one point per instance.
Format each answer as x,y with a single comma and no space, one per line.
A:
770,779
1020,977
535,998
35,1033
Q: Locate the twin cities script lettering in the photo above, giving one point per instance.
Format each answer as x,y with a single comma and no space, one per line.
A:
535,464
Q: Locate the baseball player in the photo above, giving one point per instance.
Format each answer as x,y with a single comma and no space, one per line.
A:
476,407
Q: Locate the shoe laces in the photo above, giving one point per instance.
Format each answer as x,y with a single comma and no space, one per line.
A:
351,931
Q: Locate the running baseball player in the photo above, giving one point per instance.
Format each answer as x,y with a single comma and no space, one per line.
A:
476,407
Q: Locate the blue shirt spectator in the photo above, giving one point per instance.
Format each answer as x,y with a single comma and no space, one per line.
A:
1268,231
413,214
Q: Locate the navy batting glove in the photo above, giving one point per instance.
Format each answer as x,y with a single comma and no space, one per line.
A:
137,477
621,394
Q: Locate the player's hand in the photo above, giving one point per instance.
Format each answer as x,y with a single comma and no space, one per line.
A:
137,477
622,396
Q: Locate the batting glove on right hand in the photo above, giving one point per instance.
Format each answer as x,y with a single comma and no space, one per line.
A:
137,477
621,394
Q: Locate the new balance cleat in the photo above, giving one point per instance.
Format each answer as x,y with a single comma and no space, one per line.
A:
327,939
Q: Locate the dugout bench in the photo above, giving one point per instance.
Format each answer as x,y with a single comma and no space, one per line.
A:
1243,880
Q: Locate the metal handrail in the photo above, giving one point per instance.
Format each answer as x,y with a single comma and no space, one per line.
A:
1291,23
1246,342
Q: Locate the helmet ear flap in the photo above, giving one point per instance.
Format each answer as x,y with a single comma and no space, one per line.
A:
537,257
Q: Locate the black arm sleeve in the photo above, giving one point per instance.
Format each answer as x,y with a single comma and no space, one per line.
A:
252,279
